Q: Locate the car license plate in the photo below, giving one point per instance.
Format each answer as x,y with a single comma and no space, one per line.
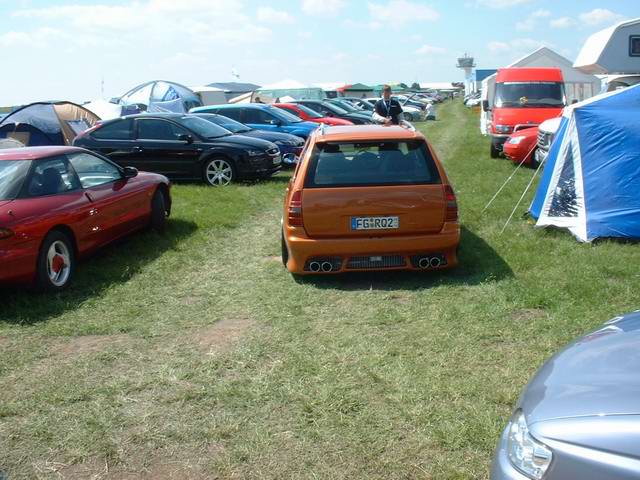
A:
277,160
375,223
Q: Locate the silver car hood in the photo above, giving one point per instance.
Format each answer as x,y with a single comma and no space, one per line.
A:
597,375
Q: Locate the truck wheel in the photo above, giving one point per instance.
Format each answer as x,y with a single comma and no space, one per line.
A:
534,161
494,151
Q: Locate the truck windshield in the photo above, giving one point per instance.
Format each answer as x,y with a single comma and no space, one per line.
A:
529,95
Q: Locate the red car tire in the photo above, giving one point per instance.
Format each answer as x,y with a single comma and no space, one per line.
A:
56,262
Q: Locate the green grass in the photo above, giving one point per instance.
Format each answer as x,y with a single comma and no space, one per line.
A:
194,354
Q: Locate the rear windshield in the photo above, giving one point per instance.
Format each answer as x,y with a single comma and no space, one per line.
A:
12,174
341,164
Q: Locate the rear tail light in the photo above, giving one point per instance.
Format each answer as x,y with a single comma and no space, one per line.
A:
451,214
5,233
295,209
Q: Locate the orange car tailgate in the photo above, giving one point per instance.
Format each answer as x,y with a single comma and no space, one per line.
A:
327,212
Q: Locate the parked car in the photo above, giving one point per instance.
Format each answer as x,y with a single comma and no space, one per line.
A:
578,417
305,113
349,107
262,117
60,204
524,97
546,134
360,103
520,147
411,113
369,198
290,145
328,109
182,146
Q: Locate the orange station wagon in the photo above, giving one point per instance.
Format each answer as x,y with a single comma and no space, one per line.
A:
369,198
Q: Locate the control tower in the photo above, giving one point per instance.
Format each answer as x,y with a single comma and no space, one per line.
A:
466,63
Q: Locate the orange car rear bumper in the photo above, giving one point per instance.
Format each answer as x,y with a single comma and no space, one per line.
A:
303,249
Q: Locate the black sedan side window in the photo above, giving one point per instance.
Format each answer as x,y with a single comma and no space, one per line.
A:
51,176
93,171
154,129
118,130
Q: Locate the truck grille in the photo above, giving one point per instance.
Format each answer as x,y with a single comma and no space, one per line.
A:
544,139
376,261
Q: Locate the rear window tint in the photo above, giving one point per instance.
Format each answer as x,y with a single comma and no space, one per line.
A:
347,164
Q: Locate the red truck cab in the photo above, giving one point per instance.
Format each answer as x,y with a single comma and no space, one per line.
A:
524,98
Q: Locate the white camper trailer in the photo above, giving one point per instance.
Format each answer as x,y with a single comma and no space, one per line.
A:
613,53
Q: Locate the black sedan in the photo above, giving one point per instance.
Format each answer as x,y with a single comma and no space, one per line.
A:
329,109
290,145
182,146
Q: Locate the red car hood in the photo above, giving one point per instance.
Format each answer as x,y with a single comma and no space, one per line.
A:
4,202
523,116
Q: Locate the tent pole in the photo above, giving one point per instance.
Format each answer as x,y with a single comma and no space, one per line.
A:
508,179
521,197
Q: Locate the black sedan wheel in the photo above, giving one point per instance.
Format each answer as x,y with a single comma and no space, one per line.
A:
219,172
56,262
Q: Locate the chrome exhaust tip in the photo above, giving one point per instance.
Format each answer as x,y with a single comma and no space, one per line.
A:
314,266
327,267
435,262
424,262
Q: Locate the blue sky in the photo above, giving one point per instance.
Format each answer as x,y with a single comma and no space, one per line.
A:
65,49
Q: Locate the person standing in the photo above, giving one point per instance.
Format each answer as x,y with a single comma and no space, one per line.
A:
388,111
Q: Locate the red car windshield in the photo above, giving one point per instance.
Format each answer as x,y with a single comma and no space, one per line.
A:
310,113
12,174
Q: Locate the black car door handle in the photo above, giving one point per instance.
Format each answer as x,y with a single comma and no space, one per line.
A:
138,149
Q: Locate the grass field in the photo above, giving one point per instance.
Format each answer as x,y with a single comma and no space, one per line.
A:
195,355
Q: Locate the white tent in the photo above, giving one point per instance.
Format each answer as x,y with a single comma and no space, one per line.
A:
579,86
210,95
105,110
291,88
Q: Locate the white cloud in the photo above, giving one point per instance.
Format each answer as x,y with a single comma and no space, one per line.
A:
598,16
164,21
532,21
340,57
400,12
497,4
562,22
430,50
271,15
305,35
518,46
322,7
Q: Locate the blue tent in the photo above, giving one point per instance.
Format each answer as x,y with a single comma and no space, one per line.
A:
47,123
591,179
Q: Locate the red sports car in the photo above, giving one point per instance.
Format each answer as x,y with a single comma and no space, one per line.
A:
59,204
305,113
520,147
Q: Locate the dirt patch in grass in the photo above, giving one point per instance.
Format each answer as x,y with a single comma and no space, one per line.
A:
87,344
527,314
165,466
222,335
